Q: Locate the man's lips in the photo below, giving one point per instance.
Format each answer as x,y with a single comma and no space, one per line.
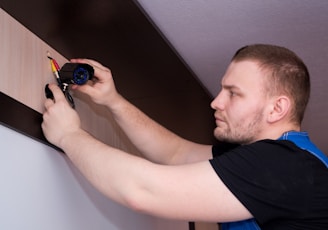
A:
218,119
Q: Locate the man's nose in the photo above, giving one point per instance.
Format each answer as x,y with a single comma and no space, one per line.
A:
217,102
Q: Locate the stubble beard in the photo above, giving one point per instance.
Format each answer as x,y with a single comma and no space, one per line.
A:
240,133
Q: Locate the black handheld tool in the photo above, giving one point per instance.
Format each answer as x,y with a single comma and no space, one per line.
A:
48,92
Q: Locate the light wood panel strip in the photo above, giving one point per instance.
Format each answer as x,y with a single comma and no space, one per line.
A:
25,70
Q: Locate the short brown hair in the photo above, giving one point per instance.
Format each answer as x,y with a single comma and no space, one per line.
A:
287,73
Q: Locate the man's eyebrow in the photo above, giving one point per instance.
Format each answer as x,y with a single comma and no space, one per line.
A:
229,87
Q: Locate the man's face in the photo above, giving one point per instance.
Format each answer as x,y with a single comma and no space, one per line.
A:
241,104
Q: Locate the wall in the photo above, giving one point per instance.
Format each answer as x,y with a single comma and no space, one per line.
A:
40,189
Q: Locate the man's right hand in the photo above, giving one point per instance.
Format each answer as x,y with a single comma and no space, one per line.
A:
102,88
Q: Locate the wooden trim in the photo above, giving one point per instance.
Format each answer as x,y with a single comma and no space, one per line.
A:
22,119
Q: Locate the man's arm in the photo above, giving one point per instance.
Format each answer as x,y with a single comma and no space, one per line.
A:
187,192
155,142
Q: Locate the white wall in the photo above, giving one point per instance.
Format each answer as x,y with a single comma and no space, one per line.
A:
40,189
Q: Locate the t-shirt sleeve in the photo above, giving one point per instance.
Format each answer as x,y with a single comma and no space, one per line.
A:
266,176
222,147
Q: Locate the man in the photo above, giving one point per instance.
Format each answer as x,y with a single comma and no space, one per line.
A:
266,175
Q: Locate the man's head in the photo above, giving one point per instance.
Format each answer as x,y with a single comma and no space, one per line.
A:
263,84
285,74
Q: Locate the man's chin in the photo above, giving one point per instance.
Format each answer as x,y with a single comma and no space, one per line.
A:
220,135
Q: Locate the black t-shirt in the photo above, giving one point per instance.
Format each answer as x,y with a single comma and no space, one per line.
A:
283,186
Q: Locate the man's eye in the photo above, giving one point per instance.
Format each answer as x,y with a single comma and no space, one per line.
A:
232,94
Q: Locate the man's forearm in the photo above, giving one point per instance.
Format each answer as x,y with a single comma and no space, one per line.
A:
155,142
112,171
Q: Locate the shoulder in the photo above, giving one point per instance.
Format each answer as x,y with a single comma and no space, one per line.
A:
266,156
275,150
269,172
221,147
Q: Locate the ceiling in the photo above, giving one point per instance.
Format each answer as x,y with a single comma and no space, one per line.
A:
206,33
203,35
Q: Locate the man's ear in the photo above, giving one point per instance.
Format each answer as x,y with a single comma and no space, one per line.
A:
279,108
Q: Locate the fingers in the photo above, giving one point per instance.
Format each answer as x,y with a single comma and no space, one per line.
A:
57,92
93,63
87,89
58,96
101,72
48,103
101,87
